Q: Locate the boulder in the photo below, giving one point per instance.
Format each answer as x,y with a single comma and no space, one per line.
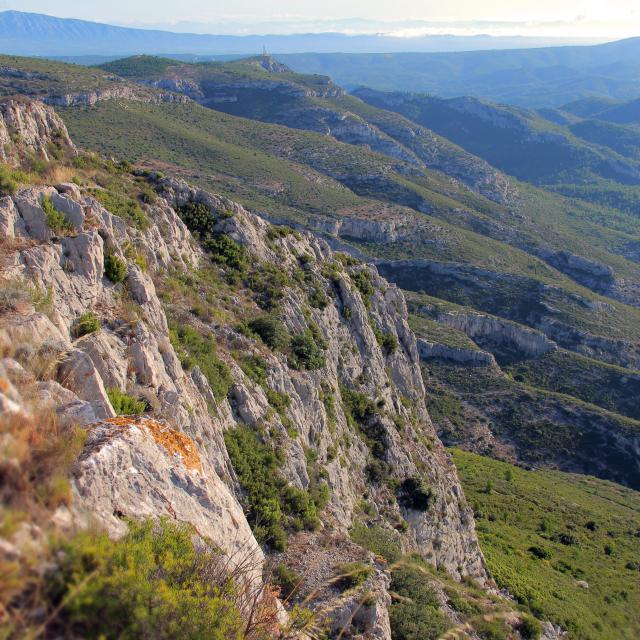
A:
140,468
78,373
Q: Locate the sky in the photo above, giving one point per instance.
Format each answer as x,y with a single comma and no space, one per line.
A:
560,18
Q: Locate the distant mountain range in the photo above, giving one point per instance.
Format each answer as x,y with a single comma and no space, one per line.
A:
547,77
516,70
40,35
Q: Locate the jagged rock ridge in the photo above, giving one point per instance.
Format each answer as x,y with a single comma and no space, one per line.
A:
132,351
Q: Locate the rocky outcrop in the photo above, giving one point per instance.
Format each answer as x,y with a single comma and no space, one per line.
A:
590,273
387,377
115,91
136,467
488,330
459,355
29,127
531,327
383,230
173,460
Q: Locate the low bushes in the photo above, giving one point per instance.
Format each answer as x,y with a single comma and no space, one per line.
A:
152,583
255,368
87,323
125,405
307,350
11,179
195,349
198,218
122,205
227,252
271,331
378,540
353,574
416,615
274,506
55,219
362,280
115,269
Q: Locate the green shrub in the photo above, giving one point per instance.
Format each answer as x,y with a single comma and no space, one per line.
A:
492,629
353,575
271,331
530,628
415,493
318,298
279,231
274,506
279,401
382,542
377,471
115,268
255,368
152,583
227,252
269,282
88,322
198,218
540,553
11,179
358,407
307,350
122,205
462,605
387,341
195,349
125,405
287,579
223,250
55,219
417,615
362,280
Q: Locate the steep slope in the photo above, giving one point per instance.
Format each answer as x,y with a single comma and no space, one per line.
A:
257,340
304,177
262,89
514,140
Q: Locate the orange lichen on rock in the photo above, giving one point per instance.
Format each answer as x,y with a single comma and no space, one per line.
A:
173,441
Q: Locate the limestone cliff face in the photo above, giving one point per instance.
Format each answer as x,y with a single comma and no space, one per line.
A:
116,91
30,127
173,461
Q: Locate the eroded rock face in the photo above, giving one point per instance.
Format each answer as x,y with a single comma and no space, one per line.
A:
173,461
354,358
138,357
137,467
475,357
30,126
528,342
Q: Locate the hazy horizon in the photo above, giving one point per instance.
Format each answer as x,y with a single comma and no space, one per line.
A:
569,21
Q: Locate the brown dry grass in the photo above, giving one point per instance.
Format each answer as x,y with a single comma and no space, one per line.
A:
36,455
57,173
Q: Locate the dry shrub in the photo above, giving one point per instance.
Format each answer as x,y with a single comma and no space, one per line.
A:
35,460
59,173
36,455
